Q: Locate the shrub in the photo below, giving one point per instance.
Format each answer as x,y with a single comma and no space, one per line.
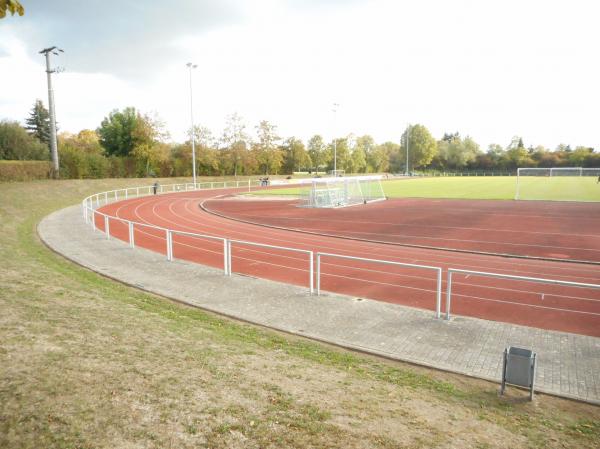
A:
24,170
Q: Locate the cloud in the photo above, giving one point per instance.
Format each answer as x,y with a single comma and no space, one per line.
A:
128,39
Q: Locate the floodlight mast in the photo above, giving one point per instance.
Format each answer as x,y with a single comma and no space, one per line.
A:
53,145
192,137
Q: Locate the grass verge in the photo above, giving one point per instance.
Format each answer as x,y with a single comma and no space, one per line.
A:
86,362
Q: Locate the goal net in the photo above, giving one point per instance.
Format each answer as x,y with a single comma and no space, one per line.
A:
558,184
342,192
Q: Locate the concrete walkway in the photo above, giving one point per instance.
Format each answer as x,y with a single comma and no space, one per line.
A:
568,364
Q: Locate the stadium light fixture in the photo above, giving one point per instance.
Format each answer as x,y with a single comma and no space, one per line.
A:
191,66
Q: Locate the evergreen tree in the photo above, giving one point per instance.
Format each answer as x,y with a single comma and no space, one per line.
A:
38,123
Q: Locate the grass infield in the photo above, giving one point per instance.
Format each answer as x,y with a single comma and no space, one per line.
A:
483,187
86,362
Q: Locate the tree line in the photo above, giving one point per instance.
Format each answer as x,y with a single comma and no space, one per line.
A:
128,143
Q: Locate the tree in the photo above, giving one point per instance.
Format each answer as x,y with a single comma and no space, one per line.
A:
149,150
17,144
268,156
358,160
82,156
518,157
38,122
295,155
380,158
235,140
342,151
116,132
365,145
11,6
206,157
455,152
578,157
422,147
317,152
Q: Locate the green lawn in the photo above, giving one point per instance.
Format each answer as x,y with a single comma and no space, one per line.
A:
495,188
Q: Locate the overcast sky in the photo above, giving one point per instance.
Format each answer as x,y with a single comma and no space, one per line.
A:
488,69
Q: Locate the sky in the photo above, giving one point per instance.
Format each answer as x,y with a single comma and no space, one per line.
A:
487,69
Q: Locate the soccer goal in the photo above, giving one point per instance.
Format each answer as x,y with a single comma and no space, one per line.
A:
558,184
342,192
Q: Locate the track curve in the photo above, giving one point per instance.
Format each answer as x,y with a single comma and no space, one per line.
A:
538,305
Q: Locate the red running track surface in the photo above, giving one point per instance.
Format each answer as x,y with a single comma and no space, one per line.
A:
553,230
539,305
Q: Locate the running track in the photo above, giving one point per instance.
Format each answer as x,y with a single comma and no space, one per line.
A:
545,306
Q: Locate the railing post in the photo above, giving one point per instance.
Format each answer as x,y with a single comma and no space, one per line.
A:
97,200
448,294
169,245
116,196
126,193
229,269
438,303
131,235
93,219
106,227
225,257
312,273
318,274
137,191
105,197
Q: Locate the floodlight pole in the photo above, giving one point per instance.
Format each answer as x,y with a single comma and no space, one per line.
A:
335,106
53,144
192,66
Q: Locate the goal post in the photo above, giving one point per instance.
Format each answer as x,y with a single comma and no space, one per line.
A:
342,191
557,183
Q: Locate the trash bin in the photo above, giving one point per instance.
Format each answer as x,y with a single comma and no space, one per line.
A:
518,369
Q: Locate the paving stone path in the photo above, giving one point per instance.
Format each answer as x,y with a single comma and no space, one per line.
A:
568,364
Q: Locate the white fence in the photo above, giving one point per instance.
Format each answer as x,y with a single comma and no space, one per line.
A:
451,271
103,198
438,270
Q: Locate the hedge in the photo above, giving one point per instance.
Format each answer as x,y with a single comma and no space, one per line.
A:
24,170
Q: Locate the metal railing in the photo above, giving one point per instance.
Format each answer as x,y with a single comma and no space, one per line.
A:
283,248
451,271
103,198
438,270
90,214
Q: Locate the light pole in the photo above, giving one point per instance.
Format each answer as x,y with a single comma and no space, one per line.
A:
335,106
49,72
192,66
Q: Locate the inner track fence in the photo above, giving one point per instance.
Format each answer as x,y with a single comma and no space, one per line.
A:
557,301
437,270
102,221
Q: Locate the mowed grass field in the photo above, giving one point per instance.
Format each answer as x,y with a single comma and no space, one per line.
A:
86,362
484,187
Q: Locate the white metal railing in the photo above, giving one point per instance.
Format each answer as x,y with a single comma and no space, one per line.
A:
262,245
103,198
226,265
438,270
95,200
451,271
